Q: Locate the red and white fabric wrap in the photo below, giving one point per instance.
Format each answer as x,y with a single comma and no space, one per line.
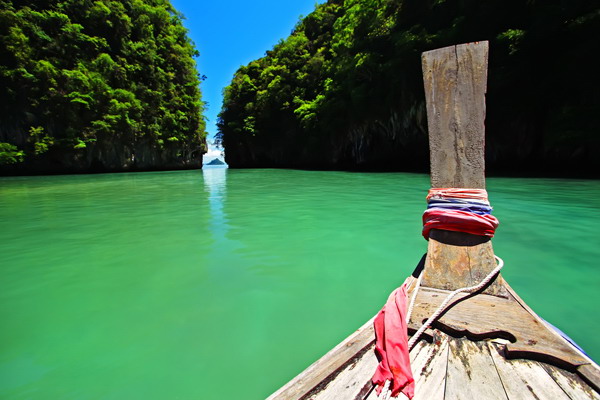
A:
457,220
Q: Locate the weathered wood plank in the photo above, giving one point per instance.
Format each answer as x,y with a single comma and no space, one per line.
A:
350,382
571,383
525,379
372,395
471,373
456,260
418,356
422,358
326,368
590,372
455,81
430,382
484,316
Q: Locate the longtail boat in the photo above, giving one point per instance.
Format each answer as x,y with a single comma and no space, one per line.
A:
485,343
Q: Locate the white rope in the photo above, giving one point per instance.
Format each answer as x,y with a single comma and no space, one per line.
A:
414,296
442,306
385,392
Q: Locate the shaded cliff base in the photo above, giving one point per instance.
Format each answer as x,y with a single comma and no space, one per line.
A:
416,160
494,171
108,157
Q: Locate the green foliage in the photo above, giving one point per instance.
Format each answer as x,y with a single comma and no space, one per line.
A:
76,73
513,37
41,142
10,154
345,87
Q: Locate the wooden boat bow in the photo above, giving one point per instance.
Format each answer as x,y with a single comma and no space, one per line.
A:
486,345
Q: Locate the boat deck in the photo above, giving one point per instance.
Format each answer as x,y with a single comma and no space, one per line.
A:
453,363
457,368
452,368
485,345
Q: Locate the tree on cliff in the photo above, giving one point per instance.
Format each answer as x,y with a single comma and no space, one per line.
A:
105,85
344,90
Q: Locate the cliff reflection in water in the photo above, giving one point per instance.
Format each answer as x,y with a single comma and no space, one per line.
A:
215,185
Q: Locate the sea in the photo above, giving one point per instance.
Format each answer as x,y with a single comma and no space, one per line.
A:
224,284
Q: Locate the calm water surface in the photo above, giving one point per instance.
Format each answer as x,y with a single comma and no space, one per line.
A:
220,284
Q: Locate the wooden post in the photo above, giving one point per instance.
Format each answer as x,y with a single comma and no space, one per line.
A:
455,80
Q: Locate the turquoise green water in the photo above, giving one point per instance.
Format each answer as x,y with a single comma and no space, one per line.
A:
221,284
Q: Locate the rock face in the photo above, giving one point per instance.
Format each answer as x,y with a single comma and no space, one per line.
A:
390,144
345,89
109,157
98,87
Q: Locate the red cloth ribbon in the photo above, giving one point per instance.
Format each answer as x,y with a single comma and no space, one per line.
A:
458,193
391,346
459,221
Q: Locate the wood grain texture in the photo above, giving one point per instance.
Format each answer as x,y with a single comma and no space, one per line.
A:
455,81
418,359
321,372
431,381
471,373
485,316
571,383
525,379
351,380
590,372
454,260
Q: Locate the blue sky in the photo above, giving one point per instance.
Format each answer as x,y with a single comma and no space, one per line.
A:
231,33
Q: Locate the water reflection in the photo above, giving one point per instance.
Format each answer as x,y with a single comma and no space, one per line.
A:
268,268
215,184
221,263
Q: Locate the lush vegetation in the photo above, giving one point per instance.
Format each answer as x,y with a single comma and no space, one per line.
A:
97,85
344,90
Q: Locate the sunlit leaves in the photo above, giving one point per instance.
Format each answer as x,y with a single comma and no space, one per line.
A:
10,154
350,74
513,37
91,71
